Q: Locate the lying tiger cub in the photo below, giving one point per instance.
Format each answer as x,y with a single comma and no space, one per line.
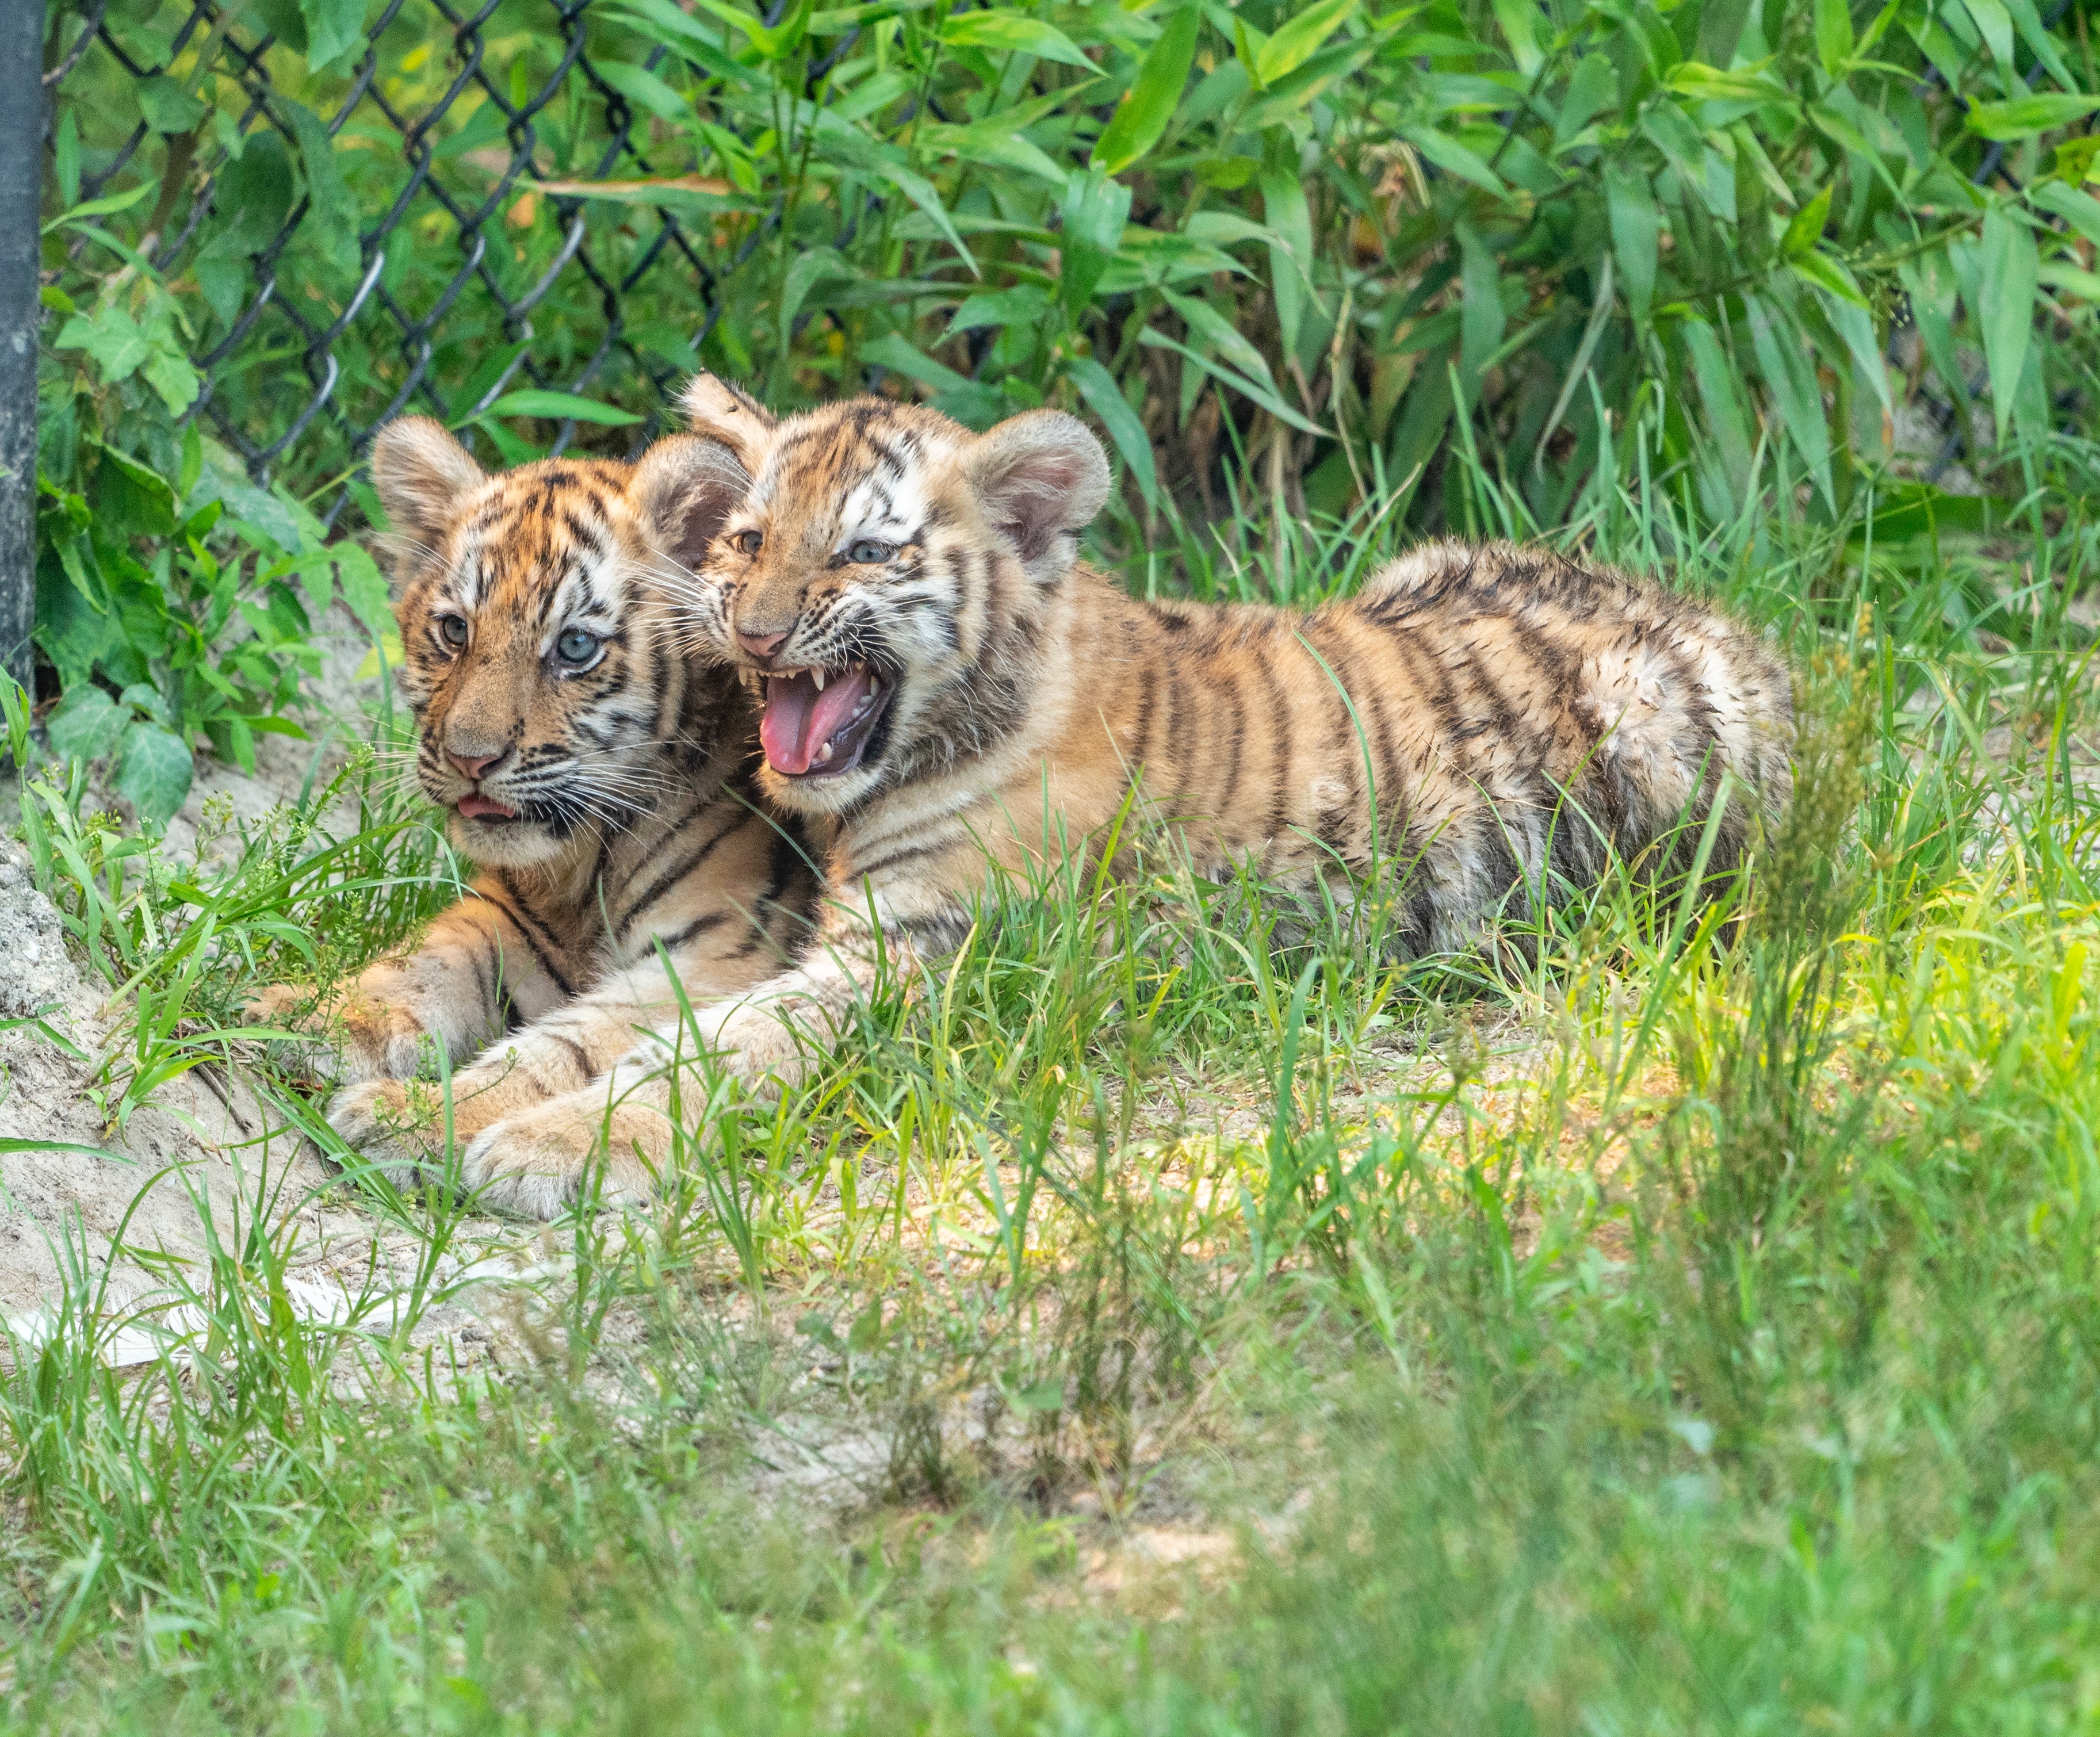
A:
600,778
944,678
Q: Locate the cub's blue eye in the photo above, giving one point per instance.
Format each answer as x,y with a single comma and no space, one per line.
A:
452,630
577,646
869,553
747,542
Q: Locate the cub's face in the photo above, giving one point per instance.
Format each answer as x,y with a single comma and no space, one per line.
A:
537,659
865,578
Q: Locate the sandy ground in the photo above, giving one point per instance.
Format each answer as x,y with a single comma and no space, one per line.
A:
133,1213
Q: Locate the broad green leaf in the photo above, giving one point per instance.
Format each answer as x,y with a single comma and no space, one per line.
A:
2027,114
1788,364
334,28
1098,387
559,406
333,220
153,771
1141,116
167,107
1834,34
1296,41
365,587
1636,233
85,724
1805,230
1013,33
2007,286
1094,209
1265,396
112,336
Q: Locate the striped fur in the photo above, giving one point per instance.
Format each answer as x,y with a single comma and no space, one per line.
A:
1433,720
636,827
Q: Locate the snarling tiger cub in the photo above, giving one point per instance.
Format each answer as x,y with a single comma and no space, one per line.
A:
601,779
944,680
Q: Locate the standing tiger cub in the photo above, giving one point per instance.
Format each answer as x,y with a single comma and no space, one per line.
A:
943,678
599,776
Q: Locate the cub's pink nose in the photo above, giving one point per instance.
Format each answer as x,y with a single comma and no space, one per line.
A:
476,768
760,645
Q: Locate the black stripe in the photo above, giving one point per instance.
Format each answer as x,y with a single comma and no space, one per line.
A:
538,952
676,873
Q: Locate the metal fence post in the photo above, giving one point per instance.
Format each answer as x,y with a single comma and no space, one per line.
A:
21,172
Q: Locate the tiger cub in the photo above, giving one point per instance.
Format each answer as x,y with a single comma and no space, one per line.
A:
943,678
600,778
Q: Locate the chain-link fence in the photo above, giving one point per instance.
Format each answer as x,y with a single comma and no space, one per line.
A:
390,235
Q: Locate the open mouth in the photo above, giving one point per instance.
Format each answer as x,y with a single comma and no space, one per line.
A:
478,807
817,721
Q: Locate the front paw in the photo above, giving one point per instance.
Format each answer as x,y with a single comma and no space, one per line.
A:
540,1161
355,1036
398,1125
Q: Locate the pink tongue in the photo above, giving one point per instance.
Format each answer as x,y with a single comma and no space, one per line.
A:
799,720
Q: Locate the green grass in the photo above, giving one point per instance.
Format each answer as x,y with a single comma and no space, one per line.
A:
1687,1320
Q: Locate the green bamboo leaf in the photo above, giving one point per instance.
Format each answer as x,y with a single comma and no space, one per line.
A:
1807,228
2007,284
1453,158
1011,33
1994,24
1297,41
2081,210
1825,273
1097,385
1221,335
1788,363
1290,254
1141,116
1094,211
1707,84
1266,396
1834,34
558,407
2026,115
1636,233
1718,384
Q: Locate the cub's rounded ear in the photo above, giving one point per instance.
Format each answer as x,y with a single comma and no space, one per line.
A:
421,474
684,487
1041,477
730,414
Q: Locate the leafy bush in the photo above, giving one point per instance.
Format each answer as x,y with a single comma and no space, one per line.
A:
1351,255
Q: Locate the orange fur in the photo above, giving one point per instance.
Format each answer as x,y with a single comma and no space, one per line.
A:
1493,721
638,838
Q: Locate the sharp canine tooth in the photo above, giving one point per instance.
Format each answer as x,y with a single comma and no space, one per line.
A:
818,677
